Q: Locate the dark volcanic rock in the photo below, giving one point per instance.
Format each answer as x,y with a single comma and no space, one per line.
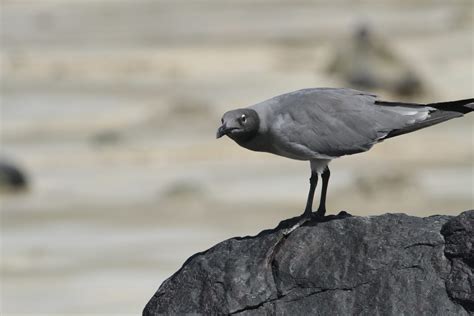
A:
12,178
459,236
391,264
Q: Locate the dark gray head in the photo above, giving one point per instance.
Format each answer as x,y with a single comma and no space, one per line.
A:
241,125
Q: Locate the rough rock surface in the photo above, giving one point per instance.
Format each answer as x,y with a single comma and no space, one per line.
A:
393,264
459,236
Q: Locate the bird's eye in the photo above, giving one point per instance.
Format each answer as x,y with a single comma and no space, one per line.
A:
243,118
222,120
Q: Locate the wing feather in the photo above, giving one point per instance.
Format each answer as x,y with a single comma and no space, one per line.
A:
328,123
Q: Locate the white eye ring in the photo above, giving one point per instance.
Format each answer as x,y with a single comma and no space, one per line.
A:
243,118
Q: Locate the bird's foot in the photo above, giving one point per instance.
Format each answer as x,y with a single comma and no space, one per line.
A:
314,218
340,215
319,214
305,217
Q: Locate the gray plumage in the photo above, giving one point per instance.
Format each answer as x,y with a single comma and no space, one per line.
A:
329,123
321,124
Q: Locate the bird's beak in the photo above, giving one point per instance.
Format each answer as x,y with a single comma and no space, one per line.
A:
224,130
221,131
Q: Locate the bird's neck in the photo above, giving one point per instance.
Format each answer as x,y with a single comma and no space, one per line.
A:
255,143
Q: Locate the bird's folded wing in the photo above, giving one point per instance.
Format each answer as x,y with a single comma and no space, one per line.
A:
336,122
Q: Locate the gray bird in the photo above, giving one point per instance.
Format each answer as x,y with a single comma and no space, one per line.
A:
322,124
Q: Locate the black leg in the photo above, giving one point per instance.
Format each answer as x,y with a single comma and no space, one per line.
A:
313,182
322,204
308,211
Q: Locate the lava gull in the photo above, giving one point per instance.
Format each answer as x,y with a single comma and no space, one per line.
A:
322,124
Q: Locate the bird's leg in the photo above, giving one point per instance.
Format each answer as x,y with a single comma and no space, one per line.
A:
322,204
308,211
313,182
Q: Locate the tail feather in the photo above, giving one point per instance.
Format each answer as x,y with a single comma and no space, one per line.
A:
435,118
462,106
444,111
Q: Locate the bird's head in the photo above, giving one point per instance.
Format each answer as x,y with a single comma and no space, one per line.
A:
240,125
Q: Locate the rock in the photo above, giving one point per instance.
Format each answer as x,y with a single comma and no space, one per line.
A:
12,178
393,264
368,62
459,236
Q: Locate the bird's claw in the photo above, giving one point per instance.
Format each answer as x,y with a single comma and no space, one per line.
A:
303,219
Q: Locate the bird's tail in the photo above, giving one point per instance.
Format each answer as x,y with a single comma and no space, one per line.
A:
461,106
444,111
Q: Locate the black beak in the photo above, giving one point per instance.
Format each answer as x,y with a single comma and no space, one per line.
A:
221,131
224,130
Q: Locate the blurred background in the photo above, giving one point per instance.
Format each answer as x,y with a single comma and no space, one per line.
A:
110,172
